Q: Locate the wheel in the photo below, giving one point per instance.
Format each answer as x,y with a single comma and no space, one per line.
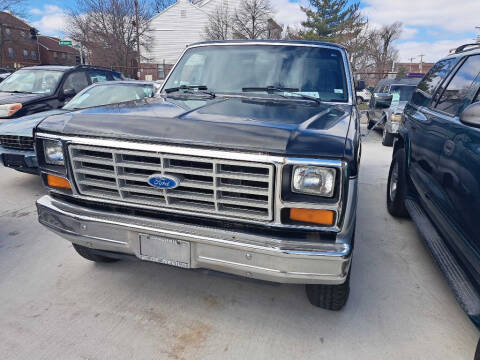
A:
330,297
387,138
88,254
397,185
371,123
359,100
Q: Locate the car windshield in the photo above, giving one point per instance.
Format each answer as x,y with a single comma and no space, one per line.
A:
32,81
401,92
287,69
111,93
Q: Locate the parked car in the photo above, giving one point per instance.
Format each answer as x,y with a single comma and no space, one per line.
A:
4,73
247,164
386,106
16,136
363,96
434,175
42,88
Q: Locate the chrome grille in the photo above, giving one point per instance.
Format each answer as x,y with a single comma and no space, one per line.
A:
215,186
16,142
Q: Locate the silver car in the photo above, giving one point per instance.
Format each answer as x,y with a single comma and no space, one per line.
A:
386,105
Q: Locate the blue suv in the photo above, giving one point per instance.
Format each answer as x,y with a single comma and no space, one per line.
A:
435,172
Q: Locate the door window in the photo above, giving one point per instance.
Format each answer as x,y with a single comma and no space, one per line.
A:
455,96
426,88
97,76
76,81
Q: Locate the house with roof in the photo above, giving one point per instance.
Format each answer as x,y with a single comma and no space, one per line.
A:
18,46
52,53
172,30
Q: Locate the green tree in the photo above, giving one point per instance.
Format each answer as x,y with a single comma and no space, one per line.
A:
331,20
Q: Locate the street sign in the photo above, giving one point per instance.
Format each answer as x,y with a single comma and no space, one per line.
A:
65,42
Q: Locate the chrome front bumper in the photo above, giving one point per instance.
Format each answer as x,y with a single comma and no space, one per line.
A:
240,253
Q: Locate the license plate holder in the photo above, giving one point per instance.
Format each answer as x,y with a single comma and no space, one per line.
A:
165,250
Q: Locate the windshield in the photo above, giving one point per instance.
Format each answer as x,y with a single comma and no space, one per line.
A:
98,95
313,71
401,92
32,81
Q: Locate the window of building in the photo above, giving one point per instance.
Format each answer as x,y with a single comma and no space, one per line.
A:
183,13
55,54
426,88
8,33
34,55
161,71
64,56
11,54
455,97
23,34
25,54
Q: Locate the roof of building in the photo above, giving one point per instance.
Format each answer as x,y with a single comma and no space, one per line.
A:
7,18
51,43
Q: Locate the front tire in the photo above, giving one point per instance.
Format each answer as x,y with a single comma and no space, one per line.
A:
329,297
397,185
387,138
371,123
88,254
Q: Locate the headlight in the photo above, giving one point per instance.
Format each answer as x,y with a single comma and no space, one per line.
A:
396,117
53,152
313,180
9,109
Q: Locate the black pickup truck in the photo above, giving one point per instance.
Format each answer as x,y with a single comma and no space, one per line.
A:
246,163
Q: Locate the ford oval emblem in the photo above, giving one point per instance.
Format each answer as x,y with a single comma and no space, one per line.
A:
164,181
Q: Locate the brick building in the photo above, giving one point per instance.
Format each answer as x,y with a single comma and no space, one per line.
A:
51,53
407,67
17,47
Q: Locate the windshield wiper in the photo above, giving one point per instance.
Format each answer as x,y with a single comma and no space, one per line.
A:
274,89
202,89
17,92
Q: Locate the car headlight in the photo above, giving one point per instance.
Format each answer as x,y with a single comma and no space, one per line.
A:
396,117
53,152
9,109
314,180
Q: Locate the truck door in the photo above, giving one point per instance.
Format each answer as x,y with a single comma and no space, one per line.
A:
424,134
458,199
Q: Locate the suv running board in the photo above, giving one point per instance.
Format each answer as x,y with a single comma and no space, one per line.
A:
463,289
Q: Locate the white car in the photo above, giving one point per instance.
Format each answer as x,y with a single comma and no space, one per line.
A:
363,96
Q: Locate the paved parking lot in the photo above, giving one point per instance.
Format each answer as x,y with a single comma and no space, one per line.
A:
56,305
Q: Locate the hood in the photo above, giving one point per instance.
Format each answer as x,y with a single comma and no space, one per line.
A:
265,125
9,98
23,126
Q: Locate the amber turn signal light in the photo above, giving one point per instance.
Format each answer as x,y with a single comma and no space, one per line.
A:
58,182
314,216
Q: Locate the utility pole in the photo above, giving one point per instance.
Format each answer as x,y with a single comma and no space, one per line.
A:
421,62
411,61
138,38
478,36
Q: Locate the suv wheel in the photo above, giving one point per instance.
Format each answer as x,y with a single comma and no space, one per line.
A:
330,297
371,123
88,254
387,138
397,185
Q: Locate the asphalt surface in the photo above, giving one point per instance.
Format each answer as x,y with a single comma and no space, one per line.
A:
56,305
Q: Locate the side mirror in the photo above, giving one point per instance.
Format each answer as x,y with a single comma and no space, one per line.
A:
382,101
471,115
69,93
360,85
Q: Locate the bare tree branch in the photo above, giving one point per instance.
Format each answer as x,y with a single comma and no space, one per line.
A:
107,29
219,25
251,19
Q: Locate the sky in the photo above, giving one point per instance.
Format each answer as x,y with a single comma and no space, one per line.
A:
430,27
